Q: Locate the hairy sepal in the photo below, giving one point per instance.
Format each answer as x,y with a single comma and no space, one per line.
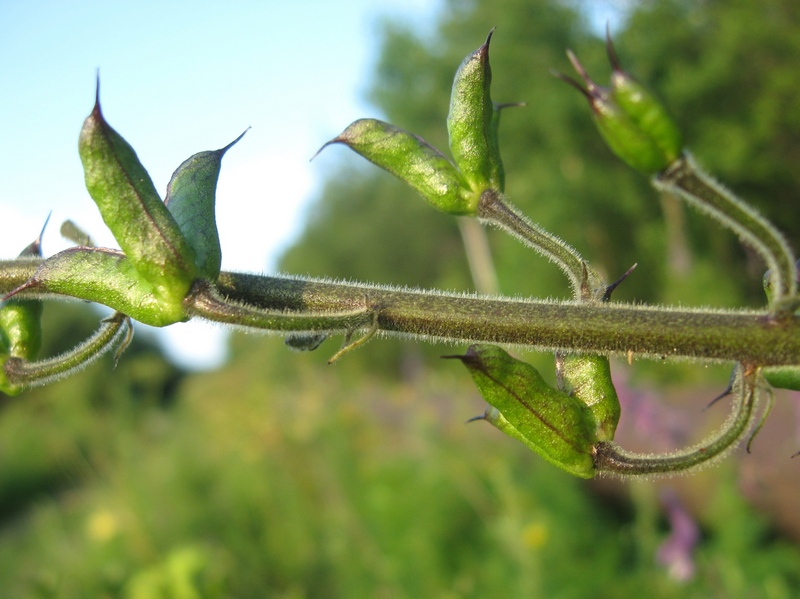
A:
588,378
553,424
107,277
133,211
191,199
412,160
473,120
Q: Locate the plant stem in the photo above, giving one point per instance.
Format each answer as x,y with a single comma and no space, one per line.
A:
204,301
494,210
731,336
611,459
283,304
685,179
114,332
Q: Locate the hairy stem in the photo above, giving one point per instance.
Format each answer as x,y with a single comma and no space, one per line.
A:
283,304
205,301
611,459
114,332
494,210
685,179
735,336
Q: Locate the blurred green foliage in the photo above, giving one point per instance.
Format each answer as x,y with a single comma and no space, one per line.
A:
726,70
249,483
277,476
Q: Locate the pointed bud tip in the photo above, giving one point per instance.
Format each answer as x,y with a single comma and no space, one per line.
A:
472,358
335,140
728,390
504,105
475,418
489,37
34,249
593,91
454,357
576,64
96,111
222,151
571,82
613,59
610,289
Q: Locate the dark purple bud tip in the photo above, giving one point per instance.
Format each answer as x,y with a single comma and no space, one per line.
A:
613,59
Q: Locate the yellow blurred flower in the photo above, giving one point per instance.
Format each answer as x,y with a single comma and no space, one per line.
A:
535,535
102,526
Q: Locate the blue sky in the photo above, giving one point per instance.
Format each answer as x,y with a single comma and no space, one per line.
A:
177,78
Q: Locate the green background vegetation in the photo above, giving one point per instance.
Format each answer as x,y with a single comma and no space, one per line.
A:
278,476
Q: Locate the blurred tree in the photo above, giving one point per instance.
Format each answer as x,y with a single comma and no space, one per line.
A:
726,70
285,479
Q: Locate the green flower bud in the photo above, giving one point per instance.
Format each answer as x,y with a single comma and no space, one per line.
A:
472,124
473,120
191,196
412,160
557,426
588,378
633,123
644,110
133,210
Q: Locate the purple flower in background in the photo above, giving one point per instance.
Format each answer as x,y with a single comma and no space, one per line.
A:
676,552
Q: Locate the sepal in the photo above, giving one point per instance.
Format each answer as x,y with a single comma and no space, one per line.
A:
413,160
557,426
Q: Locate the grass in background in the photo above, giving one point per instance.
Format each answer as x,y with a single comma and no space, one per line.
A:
279,477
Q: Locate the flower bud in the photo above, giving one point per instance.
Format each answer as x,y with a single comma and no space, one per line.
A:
191,196
633,123
133,211
588,378
644,109
783,377
107,277
413,160
473,120
472,125
557,426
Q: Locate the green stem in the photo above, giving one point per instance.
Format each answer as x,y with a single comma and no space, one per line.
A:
115,331
685,179
283,304
611,459
494,210
732,336
204,301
